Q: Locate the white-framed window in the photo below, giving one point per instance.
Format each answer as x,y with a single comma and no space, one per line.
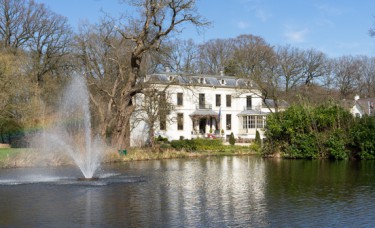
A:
180,99
252,122
180,121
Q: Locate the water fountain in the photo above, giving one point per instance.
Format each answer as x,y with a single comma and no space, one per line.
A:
71,130
69,133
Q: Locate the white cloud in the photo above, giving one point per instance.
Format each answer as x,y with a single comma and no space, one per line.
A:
296,36
243,24
330,10
262,15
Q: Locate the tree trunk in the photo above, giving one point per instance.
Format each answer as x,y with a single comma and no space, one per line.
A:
126,108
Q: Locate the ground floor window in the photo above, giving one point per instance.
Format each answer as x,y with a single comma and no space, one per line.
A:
249,122
163,122
229,121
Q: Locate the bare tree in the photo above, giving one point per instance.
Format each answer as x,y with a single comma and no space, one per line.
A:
179,55
367,77
315,66
214,55
114,57
250,57
153,108
49,44
346,70
290,61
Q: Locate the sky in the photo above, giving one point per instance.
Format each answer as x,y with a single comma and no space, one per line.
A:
335,27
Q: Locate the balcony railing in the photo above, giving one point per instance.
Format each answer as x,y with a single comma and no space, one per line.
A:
204,106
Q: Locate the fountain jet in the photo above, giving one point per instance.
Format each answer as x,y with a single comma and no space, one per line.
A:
71,131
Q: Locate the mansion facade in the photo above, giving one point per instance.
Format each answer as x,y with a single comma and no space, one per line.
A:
204,107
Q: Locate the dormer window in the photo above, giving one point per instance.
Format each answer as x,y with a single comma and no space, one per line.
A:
202,81
223,82
170,78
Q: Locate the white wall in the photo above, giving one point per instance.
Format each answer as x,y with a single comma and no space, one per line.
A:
190,101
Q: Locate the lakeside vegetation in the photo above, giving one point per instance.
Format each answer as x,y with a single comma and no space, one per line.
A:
15,157
324,131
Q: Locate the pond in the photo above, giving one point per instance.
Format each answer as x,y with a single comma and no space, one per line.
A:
244,191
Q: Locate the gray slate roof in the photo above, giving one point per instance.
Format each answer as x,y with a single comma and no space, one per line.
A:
201,80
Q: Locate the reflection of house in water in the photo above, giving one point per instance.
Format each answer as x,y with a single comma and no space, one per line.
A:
206,106
360,106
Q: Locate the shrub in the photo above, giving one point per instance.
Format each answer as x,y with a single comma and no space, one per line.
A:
363,137
188,145
232,140
197,144
310,132
336,145
258,141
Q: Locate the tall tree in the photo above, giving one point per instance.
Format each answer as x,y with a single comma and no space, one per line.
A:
290,61
214,56
346,70
125,47
179,55
367,77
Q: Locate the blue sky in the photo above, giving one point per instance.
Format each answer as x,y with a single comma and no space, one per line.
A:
335,27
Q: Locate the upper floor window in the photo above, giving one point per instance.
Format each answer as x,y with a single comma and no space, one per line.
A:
180,121
229,100
202,101
218,100
249,104
180,99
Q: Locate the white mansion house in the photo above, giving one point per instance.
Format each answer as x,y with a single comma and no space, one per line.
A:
204,106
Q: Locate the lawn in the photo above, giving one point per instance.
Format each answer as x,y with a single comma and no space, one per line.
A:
7,152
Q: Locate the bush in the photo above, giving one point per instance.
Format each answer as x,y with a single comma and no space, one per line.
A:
197,144
258,140
363,137
232,140
188,145
310,132
336,145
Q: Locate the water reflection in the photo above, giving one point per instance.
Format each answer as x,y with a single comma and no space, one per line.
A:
209,192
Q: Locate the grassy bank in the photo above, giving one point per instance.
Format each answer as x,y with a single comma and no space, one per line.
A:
8,153
10,157
137,154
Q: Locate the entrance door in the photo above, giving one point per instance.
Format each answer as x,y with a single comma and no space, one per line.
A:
202,125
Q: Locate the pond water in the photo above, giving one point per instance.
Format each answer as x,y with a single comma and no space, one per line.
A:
244,191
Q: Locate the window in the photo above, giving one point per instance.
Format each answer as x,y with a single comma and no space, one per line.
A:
218,100
180,99
253,122
201,101
163,122
229,100
248,103
202,81
180,121
229,121
260,121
